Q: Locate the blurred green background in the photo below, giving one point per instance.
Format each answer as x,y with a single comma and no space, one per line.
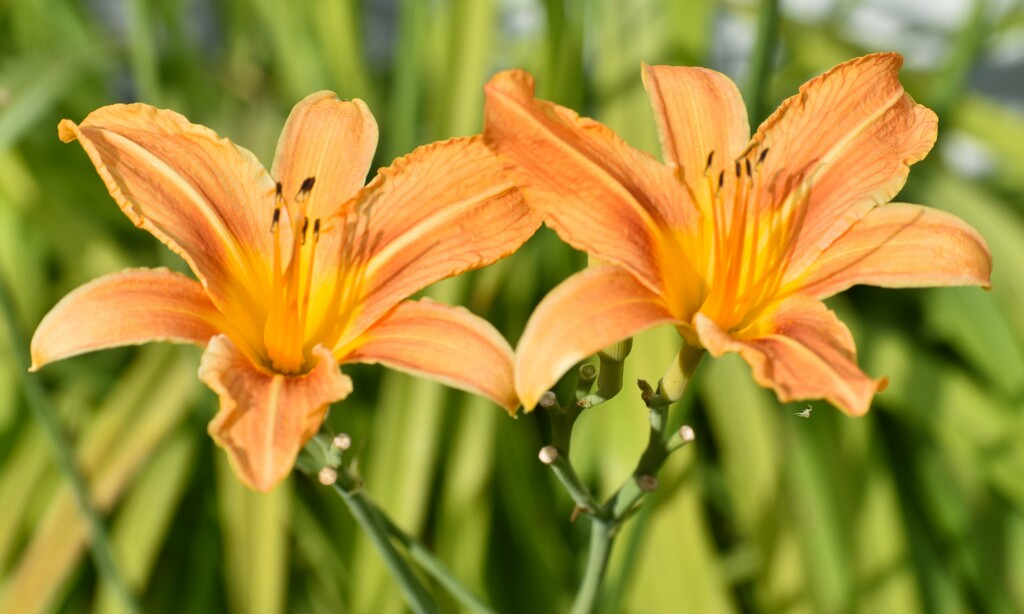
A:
919,507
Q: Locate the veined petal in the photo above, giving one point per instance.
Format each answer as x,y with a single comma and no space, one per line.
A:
210,201
588,311
447,344
126,308
698,111
805,352
265,418
901,246
445,208
600,195
331,141
849,136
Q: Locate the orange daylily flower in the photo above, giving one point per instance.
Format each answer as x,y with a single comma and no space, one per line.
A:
295,276
735,240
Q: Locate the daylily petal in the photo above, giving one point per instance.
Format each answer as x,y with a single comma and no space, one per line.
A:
126,308
443,209
588,311
698,111
852,134
805,352
600,195
331,141
901,246
210,201
444,343
265,418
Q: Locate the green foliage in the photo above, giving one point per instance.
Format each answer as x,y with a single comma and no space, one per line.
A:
917,507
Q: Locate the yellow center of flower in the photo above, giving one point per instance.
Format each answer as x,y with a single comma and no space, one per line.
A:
750,225
284,333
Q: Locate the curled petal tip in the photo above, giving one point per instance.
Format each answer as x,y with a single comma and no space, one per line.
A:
67,130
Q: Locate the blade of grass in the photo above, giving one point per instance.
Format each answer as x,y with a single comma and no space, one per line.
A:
100,549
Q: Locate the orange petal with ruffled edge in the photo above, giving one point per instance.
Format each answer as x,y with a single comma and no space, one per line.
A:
598,193
209,200
126,308
445,208
698,111
331,141
900,246
805,352
851,135
265,418
443,343
585,313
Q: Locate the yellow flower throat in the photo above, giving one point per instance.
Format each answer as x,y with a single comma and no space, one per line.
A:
285,330
750,224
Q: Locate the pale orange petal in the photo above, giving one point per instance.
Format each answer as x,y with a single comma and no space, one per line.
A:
850,136
804,353
447,344
600,195
588,311
265,418
207,199
126,308
443,209
331,141
901,246
698,111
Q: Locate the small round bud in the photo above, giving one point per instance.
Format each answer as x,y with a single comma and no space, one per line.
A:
342,441
647,483
548,454
686,433
588,371
547,400
327,476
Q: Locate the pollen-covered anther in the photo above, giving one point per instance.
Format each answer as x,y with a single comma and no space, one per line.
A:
305,189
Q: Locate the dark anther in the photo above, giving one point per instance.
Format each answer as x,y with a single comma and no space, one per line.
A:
277,218
721,179
316,230
747,161
711,157
305,227
739,169
764,154
278,188
305,188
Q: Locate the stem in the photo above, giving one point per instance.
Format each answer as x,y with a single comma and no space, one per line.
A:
99,545
761,60
580,494
434,567
608,518
602,535
369,520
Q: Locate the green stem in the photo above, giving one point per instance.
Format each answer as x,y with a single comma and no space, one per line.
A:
607,519
602,535
580,494
761,60
99,545
434,567
369,520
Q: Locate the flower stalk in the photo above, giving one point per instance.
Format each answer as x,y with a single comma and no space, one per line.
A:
607,518
324,455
